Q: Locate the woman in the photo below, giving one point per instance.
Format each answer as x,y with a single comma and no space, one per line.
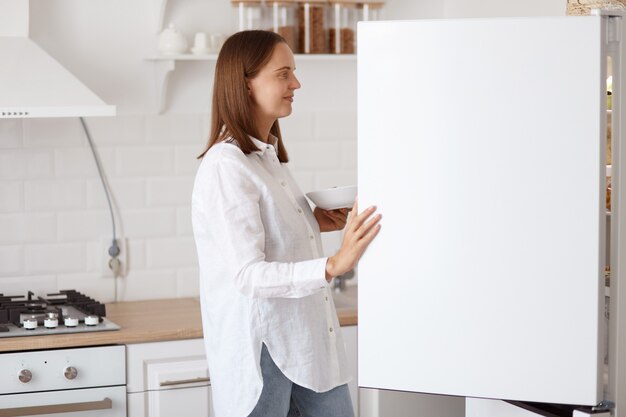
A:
270,326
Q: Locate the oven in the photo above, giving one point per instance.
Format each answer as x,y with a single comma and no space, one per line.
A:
87,381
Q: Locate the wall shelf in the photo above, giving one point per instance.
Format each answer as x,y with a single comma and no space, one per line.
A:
165,64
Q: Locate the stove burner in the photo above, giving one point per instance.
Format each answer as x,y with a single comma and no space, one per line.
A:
64,312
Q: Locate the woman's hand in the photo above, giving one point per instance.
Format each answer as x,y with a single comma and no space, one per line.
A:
361,229
331,220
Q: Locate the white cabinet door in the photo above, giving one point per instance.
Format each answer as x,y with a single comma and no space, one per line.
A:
479,141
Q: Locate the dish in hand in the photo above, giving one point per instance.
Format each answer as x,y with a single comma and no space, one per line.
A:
334,198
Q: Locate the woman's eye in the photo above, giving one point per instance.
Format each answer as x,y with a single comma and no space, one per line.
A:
283,75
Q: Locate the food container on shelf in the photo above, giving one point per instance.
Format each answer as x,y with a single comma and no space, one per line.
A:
171,41
311,26
282,17
370,11
249,14
342,26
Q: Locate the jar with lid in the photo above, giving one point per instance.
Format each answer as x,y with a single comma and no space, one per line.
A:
342,26
282,17
370,11
311,26
249,14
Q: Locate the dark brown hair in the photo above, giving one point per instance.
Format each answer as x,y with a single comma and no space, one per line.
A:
241,58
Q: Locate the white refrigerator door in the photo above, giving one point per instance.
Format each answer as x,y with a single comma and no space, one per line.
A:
480,143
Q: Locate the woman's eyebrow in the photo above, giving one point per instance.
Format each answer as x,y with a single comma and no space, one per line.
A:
284,68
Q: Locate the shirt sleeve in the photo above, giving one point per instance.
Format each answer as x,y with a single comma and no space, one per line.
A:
233,221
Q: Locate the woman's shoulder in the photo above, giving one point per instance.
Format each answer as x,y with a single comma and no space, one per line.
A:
225,151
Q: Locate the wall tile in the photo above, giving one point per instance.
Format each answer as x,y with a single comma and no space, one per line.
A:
11,196
119,130
163,192
51,195
11,261
83,225
349,155
53,132
146,285
39,284
305,180
183,221
26,164
336,125
171,253
125,193
27,228
186,161
314,155
79,162
145,161
299,126
176,129
187,283
92,285
327,179
10,133
148,223
136,255
54,258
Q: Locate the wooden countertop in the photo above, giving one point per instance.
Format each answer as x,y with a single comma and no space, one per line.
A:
140,322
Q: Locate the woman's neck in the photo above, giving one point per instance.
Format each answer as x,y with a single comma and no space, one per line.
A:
264,126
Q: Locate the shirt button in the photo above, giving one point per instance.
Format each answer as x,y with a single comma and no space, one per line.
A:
283,183
330,329
300,210
311,237
326,297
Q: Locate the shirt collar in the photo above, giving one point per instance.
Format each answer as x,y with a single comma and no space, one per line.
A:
272,144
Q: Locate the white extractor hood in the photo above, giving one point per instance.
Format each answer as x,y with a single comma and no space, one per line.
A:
32,83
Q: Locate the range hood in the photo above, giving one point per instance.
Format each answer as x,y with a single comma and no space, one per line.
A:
32,83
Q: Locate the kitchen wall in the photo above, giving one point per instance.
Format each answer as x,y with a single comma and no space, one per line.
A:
53,216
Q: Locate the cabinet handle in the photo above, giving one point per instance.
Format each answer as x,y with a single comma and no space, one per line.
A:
36,410
183,381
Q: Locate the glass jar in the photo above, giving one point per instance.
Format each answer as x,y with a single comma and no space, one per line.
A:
311,26
342,27
282,17
370,11
249,14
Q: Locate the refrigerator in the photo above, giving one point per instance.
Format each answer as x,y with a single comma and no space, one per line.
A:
483,143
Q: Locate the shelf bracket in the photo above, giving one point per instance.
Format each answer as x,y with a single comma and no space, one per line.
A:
163,71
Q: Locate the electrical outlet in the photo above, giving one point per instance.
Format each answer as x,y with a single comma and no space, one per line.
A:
113,267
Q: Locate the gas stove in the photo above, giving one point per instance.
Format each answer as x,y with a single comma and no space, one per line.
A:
68,311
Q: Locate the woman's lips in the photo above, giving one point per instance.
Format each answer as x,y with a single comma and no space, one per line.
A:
290,99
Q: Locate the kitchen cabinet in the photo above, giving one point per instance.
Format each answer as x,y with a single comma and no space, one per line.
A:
168,378
494,211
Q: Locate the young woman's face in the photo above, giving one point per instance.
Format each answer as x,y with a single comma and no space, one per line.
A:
272,90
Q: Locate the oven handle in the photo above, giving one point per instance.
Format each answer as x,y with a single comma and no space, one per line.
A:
182,381
36,410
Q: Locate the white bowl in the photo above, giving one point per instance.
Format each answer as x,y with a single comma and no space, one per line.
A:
333,198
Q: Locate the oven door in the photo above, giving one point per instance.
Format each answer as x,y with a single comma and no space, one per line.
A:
91,402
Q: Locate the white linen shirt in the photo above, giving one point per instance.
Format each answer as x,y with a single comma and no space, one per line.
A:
262,278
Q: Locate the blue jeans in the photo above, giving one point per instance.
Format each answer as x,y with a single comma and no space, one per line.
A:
281,397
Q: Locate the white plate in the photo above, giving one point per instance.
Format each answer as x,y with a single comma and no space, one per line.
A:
333,198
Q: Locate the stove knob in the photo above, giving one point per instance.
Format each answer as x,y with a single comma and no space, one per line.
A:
30,324
70,372
92,320
70,322
50,323
24,375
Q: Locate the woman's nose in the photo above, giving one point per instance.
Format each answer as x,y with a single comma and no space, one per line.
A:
295,83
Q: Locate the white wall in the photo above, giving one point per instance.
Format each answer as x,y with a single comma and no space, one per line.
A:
53,215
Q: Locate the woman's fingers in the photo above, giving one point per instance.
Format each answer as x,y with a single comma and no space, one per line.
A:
358,221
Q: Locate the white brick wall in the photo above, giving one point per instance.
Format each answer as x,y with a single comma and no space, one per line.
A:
54,216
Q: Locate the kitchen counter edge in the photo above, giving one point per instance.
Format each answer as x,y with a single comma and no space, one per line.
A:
140,322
